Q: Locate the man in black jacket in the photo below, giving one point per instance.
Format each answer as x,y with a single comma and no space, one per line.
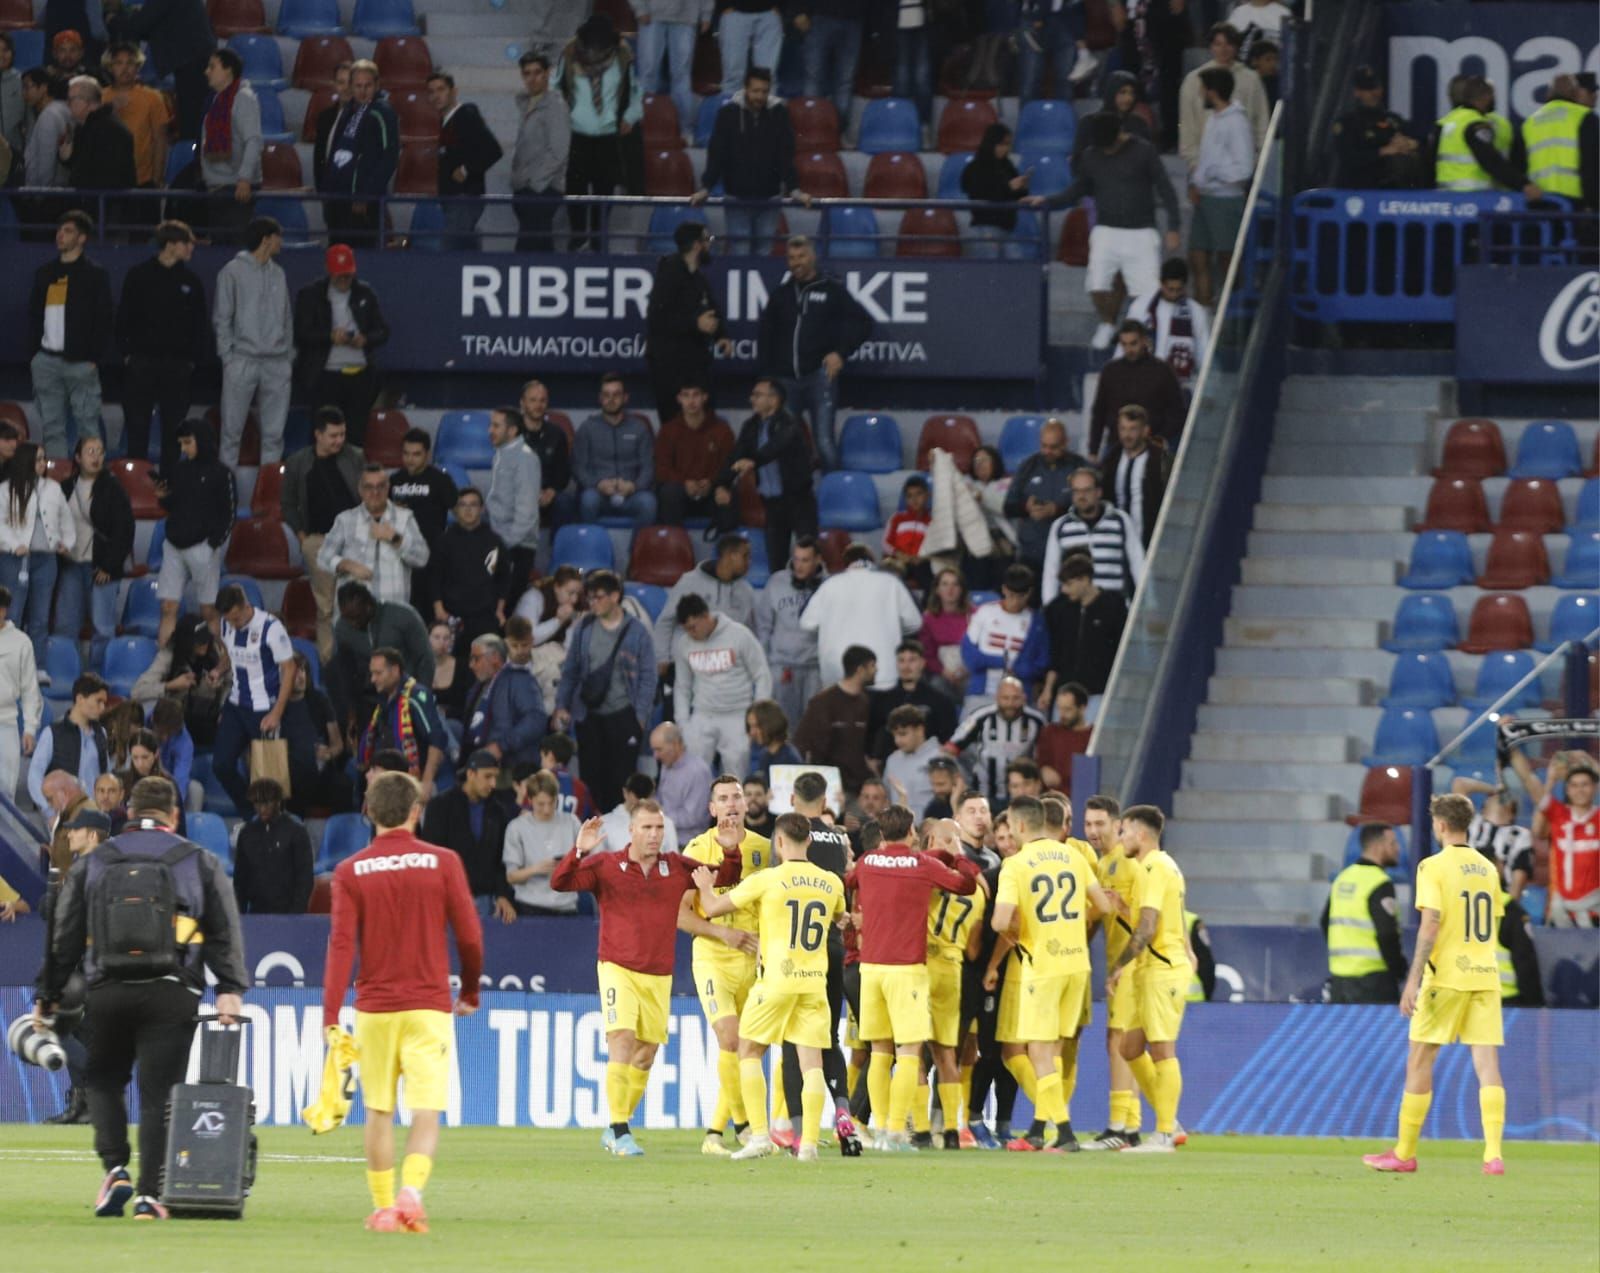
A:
363,153
912,687
809,329
91,574
272,861
163,332
326,117
200,499
751,154
430,493
471,820
469,574
366,624
179,36
70,313
338,327
467,150
1084,626
99,153
558,504
682,323
772,443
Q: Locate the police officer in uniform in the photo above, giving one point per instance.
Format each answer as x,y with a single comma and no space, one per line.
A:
1365,964
1203,981
1473,149
1374,149
143,996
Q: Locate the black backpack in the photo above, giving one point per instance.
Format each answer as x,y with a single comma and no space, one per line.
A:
134,912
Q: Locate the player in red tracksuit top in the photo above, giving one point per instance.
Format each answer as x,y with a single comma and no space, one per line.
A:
638,892
391,905
892,885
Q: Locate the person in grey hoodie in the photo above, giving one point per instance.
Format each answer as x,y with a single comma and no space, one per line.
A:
13,110
512,505
613,460
720,671
539,158
230,146
254,321
46,96
791,649
721,582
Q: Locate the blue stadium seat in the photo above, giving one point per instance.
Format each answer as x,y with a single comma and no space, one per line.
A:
890,124
141,612
1406,736
1019,438
850,233
1026,241
1581,567
870,444
665,220
313,659
263,63
345,834
210,832
1046,126
463,439
1476,750
1421,678
1439,559
375,19
1547,448
217,800
62,665
1051,173
1352,851
706,120
178,158
982,597
847,501
950,175
1588,507
126,658
427,226
273,127
302,18
290,214
586,547
1576,615
158,542
760,568
252,590
652,596
1535,898
1497,674
28,44
1426,621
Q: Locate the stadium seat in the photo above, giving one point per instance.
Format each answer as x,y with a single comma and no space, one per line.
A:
832,543
660,555
847,501
1072,248
463,438
963,124
321,99
1425,621
1516,560
706,120
158,540
302,18
404,61
378,18
210,832
267,498
1532,504
705,72
850,233
668,174
950,175
928,232
280,167
263,61
29,45
1019,438
1581,566
273,127
1473,448
418,173
957,434
260,547
134,478
1477,750
662,129
1588,517
760,569
252,590
1421,678
178,158
1456,503
664,220
1547,448
890,123
345,835
895,175
1574,617
621,14
1439,559
653,597
1498,622
1406,736
62,664
586,547
822,175
1051,173
418,120
303,645
126,659
141,612
870,444
1385,796
317,60
385,429
237,17
1026,241
1046,126
13,414
1497,674
815,122
426,231
16,15
300,609
752,508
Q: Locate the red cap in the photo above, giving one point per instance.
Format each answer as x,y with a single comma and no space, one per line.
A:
66,37
341,259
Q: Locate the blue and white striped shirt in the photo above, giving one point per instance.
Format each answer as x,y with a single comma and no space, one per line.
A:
256,650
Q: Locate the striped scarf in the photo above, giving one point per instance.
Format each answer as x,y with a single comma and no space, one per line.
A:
403,729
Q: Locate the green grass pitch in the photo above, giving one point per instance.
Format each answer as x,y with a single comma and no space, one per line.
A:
553,1200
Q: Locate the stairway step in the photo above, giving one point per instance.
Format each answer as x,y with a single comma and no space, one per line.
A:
1407,426
1287,691
1324,838
1225,914
1297,903
1344,460
1358,722
1370,664
1361,394
1254,806
1362,491
1277,633
1278,868
1290,774
1310,749
1320,573
1367,601
509,26
1390,545
1330,517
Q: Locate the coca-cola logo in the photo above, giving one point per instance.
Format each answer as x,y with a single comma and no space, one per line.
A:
1569,336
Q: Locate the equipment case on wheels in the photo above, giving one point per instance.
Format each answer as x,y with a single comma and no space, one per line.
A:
211,1147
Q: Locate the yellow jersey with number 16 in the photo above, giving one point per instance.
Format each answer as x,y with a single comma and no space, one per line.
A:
1463,887
795,904
1048,883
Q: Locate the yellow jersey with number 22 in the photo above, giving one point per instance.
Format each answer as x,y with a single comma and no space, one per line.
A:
1048,882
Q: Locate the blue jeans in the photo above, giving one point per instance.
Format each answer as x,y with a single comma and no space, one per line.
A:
77,581
236,730
984,243
41,587
739,34
640,507
675,41
750,229
66,393
913,69
1058,43
832,49
814,397
461,226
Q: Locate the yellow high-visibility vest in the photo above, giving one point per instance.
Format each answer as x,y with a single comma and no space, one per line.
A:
1197,988
1454,167
1352,937
1551,136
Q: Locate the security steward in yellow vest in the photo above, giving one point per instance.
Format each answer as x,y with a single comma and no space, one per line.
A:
1474,145
1365,964
1562,140
1204,978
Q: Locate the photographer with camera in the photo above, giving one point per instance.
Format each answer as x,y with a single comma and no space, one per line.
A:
144,960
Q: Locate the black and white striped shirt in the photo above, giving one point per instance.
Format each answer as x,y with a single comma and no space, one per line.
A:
988,742
1114,542
1511,847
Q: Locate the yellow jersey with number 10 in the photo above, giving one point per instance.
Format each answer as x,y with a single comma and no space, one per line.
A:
1463,887
1048,882
1161,888
756,854
795,904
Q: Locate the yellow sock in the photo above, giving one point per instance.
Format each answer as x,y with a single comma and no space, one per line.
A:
1049,1106
618,1087
1144,1074
639,1080
1169,1088
1022,1070
902,1094
1413,1114
381,1185
780,1105
1492,1105
753,1084
813,1097
879,1070
921,1120
852,1076
1069,1084
415,1170
727,1089
1119,1110
966,1086
951,1104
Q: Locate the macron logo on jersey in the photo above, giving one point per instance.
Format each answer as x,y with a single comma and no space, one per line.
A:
895,861
397,862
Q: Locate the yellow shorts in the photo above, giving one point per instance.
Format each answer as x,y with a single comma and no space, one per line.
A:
417,1044
1122,1007
1162,997
799,1017
1006,1027
852,1032
723,983
1444,1015
894,1003
944,1002
634,1001
1050,1007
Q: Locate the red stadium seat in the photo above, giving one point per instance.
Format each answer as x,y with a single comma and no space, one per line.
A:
134,478
60,470
1456,503
929,232
953,76
1516,560
1594,468
822,175
321,99
318,58
419,168
963,123
321,900
957,434
815,122
1499,622
621,14
16,15
249,441
1473,448
832,544
300,609
1532,503
1073,246
874,74
1385,797
237,17
662,130
660,555
565,421
385,429
668,174
403,61
260,547
894,175
1100,31
280,167
752,508
418,120
13,414
705,75
267,498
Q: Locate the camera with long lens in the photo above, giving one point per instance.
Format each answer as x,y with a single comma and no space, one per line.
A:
35,1044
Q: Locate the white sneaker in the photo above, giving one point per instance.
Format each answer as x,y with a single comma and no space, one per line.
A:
1084,67
1154,1143
806,1153
1104,333
759,1147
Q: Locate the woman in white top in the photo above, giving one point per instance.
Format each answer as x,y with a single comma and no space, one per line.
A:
35,525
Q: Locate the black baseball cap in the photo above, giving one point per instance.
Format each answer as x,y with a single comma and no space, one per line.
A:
483,758
1365,78
90,820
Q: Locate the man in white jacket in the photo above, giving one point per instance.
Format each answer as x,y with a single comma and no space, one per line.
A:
378,542
861,605
19,692
721,670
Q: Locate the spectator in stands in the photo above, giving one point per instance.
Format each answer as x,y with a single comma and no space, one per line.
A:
691,452
1496,835
998,634
1052,30
1572,828
338,328
1136,473
1562,141
230,146
13,109
441,641
21,706
1123,98
364,151
273,866
1125,177
751,155
772,445
1180,330
111,800
262,656
1137,378
91,575
178,34
862,605
767,728
992,177
682,322
1224,42
1470,152
1023,778
68,52
1374,145
405,719
722,582
320,482
618,823
831,49
430,494
913,687
791,649
254,324
142,110
1039,491
913,58
515,481
614,460
809,329
1257,20
749,33
69,329
1108,535
605,109
471,819
322,147
667,31
1264,59
467,150
378,543
99,152
608,687
944,625
188,668
35,528
1080,630
549,442
364,625
163,331
1218,184
989,484
75,743
538,838
719,670
45,95
507,715
905,771
996,735
833,730
539,157
1067,735
318,750
684,787
908,526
